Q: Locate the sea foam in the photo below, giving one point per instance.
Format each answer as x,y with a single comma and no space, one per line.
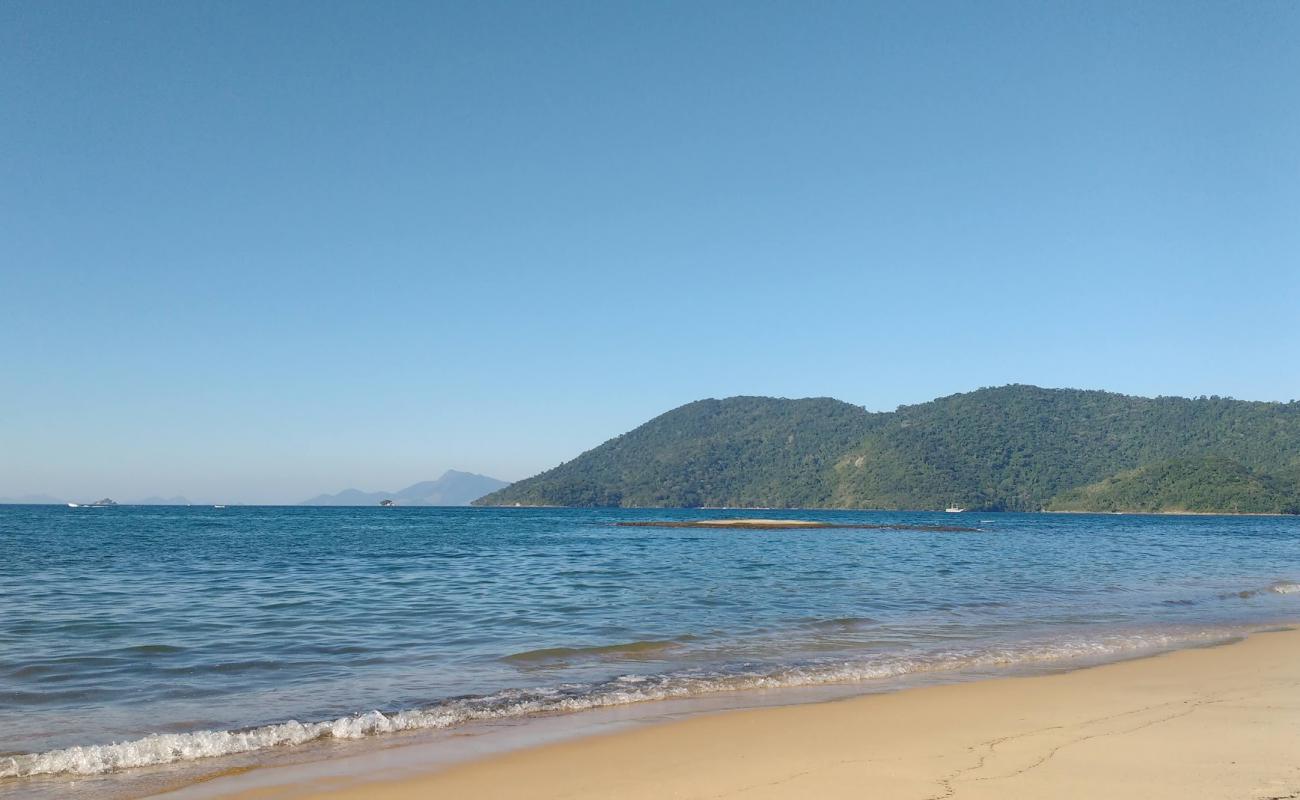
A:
1279,587
167,748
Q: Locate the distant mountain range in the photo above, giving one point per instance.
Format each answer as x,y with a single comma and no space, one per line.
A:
163,501
452,489
46,500
1011,448
32,500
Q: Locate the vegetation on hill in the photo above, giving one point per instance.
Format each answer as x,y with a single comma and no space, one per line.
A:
1017,448
743,451
1205,484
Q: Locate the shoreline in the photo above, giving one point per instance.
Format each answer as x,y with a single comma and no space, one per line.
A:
687,508
1161,513
790,524
853,509
1221,721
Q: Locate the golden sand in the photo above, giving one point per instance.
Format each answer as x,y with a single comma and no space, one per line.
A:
1221,722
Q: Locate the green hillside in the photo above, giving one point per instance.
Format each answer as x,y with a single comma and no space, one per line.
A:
745,451
1007,448
1016,447
1205,484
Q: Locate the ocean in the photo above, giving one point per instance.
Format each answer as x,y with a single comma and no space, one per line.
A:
145,646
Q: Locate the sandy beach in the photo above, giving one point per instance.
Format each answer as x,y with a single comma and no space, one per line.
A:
1220,722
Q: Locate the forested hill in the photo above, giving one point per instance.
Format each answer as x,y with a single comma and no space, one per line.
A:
1190,485
1008,448
743,451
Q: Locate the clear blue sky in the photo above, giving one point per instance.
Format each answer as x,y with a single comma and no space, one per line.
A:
254,251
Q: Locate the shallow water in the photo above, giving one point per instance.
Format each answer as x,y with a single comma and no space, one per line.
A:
137,636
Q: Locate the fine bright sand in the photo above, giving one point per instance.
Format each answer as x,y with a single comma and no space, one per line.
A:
1221,722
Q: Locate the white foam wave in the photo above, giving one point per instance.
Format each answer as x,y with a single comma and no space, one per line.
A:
1279,587
166,748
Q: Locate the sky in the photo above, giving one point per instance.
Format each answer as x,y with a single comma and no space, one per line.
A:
250,252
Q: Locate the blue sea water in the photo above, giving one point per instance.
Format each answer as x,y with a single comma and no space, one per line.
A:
137,636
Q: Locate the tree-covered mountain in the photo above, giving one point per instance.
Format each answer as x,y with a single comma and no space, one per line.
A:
1192,485
742,451
1016,447
1007,448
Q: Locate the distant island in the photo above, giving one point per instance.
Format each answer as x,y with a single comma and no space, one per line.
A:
454,488
1010,448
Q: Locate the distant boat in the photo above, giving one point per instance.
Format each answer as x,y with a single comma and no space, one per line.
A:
218,506
387,503
954,509
105,503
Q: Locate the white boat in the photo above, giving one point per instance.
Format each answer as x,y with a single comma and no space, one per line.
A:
73,505
954,509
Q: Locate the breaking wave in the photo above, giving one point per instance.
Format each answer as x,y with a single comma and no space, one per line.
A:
1280,587
627,650
167,748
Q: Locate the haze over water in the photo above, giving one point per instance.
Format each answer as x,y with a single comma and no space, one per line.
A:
118,623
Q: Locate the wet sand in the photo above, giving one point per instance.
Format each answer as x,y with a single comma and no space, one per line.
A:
1221,722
